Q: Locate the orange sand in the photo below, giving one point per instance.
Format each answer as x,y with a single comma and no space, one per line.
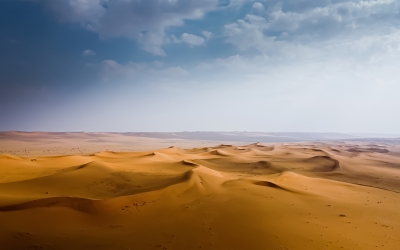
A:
283,196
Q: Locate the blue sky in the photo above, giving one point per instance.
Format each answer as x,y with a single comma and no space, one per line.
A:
188,65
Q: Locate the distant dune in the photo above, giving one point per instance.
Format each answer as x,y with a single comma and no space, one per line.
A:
199,135
308,195
56,143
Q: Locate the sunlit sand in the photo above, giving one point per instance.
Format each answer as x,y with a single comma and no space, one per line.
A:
336,195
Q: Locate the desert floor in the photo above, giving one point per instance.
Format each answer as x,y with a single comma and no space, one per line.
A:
79,191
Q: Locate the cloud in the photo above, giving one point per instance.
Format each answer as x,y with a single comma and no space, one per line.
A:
86,12
88,52
192,40
319,29
206,34
259,7
144,21
249,33
323,20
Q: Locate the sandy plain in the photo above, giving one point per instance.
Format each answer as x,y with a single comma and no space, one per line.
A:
79,191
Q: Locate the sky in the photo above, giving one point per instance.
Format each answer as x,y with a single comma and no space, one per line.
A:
200,65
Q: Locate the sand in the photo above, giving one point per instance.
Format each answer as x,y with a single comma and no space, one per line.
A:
322,195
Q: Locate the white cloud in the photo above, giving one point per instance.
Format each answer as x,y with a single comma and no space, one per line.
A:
362,30
88,52
259,7
207,34
333,19
152,42
192,40
249,33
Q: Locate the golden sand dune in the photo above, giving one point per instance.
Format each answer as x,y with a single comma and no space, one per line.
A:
283,196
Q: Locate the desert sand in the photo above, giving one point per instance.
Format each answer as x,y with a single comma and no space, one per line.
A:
71,192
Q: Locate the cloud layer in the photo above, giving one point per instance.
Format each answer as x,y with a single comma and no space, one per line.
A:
145,20
273,27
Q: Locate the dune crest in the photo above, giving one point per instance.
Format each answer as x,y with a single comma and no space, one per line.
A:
9,157
80,204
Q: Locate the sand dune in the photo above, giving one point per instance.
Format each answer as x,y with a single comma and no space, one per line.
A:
284,196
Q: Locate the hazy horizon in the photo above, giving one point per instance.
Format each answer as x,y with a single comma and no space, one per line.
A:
200,65
216,136
193,131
